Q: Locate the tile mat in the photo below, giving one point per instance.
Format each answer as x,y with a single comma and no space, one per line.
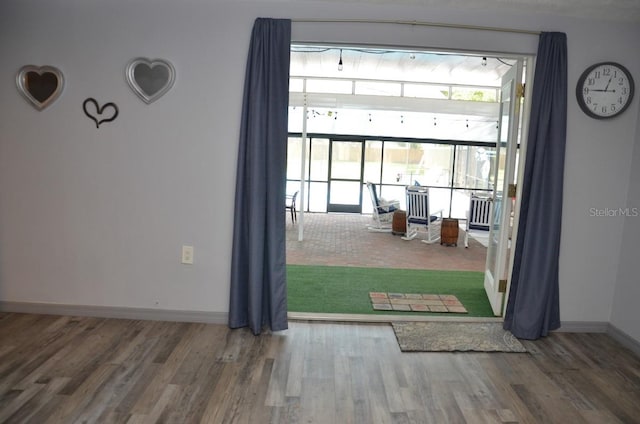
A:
416,302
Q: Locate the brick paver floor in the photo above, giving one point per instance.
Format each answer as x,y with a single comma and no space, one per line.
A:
344,240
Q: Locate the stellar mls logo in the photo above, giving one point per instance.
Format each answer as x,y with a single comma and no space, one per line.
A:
615,212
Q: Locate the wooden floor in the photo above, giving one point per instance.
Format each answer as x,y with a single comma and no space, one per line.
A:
71,369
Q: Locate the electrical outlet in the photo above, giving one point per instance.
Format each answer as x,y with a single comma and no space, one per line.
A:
187,255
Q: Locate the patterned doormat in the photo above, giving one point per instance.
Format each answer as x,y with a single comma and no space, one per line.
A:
416,302
455,336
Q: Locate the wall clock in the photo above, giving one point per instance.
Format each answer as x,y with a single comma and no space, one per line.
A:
605,90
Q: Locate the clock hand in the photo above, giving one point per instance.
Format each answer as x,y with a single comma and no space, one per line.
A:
607,87
603,91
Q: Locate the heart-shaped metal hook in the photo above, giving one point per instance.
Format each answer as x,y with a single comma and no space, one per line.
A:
99,111
40,85
150,79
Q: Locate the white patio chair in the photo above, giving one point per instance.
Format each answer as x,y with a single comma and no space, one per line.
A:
290,204
478,215
382,211
420,217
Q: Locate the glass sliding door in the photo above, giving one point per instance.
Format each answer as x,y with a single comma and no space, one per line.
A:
345,176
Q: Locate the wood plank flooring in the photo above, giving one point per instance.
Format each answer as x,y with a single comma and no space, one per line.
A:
61,369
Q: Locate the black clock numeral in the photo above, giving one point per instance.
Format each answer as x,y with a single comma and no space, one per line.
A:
606,72
591,81
620,100
625,90
597,74
587,100
613,107
585,91
603,109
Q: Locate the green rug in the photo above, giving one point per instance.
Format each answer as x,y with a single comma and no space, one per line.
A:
332,289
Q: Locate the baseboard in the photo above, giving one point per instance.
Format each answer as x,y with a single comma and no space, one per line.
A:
115,312
624,339
222,318
602,327
583,327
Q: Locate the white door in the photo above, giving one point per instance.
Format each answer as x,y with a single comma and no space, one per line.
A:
501,223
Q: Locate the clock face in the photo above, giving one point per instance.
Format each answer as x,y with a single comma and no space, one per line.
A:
605,90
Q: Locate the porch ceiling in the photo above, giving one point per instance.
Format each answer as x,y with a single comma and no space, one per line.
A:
398,65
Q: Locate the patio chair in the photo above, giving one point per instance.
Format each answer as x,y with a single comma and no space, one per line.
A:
290,204
420,217
382,211
478,215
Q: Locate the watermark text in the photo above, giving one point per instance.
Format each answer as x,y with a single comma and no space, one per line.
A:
615,212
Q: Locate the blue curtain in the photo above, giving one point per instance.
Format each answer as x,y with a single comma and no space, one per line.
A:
533,306
258,265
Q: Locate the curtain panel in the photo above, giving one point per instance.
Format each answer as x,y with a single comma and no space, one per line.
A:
533,305
258,295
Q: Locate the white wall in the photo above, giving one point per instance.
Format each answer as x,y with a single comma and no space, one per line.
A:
97,216
625,315
598,161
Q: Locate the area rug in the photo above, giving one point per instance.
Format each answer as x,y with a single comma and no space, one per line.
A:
345,289
455,337
416,302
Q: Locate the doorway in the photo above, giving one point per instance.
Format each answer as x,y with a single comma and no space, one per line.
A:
346,166
460,118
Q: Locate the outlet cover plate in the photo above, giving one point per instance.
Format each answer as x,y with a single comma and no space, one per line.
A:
187,255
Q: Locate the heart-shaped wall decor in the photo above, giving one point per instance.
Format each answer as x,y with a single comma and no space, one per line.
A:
99,114
150,79
40,85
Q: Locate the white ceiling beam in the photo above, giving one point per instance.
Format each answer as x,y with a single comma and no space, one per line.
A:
489,110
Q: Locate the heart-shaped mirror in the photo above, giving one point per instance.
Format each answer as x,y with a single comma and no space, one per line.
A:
150,79
40,85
